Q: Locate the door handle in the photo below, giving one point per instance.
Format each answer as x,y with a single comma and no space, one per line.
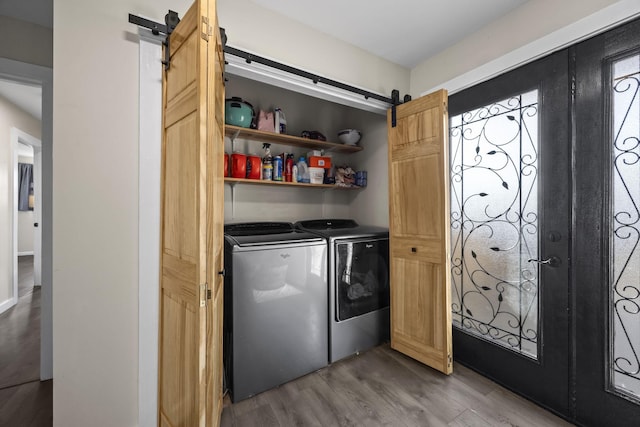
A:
552,261
35,224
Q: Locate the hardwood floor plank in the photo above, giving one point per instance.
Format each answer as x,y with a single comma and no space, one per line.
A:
330,407
25,275
24,400
20,336
438,407
27,405
292,405
464,386
261,416
340,378
519,411
399,399
469,418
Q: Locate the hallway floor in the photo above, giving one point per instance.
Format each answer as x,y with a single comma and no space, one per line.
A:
24,399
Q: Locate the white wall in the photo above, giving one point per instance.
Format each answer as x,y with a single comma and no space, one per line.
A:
533,20
25,222
10,116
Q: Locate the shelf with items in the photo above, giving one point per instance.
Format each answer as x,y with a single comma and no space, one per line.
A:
233,181
295,141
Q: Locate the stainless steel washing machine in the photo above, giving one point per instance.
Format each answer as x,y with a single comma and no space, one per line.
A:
275,313
358,264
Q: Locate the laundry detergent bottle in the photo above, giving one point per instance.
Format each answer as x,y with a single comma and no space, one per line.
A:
303,171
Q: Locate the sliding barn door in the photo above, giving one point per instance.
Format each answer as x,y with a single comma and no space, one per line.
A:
190,377
419,230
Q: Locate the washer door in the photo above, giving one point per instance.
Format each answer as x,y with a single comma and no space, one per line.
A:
362,277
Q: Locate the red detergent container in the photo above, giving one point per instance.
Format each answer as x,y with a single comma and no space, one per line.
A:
226,164
238,165
254,166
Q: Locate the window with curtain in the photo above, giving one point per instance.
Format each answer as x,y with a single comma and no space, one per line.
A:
25,187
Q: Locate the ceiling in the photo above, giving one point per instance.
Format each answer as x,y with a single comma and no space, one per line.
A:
38,12
27,97
405,32
35,11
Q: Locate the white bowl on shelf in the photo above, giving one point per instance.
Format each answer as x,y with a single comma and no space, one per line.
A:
349,136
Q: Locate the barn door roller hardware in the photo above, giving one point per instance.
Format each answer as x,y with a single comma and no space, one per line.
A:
395,97
172,20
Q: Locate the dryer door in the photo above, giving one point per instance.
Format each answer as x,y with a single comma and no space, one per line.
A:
362,277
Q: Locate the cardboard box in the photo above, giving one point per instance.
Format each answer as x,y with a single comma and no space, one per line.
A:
319,162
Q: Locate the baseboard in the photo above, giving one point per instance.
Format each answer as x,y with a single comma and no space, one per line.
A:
25,253
6,305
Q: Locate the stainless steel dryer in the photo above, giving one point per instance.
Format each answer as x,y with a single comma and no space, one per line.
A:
275,313
358,284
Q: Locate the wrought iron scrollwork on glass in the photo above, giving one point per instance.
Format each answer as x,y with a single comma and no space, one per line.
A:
625,226
494,222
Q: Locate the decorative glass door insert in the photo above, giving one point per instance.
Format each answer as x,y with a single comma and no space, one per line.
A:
625,227
494,222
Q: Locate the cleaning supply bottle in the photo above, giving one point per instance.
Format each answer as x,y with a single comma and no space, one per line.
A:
267,163
288,168
303,171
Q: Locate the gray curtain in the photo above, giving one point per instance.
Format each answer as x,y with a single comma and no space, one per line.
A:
25,187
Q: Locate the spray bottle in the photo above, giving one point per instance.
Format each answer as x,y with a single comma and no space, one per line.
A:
267,163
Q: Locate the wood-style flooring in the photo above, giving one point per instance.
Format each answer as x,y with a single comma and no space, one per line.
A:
382,387
24,399
379,387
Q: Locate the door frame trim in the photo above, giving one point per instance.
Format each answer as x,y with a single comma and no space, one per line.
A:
43,76
18,136
149,172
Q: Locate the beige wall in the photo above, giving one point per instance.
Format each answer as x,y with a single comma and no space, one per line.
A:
259,30
95,210
25,221
26,42
533,20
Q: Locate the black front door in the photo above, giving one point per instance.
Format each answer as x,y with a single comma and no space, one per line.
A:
510,218
553,183
606,253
